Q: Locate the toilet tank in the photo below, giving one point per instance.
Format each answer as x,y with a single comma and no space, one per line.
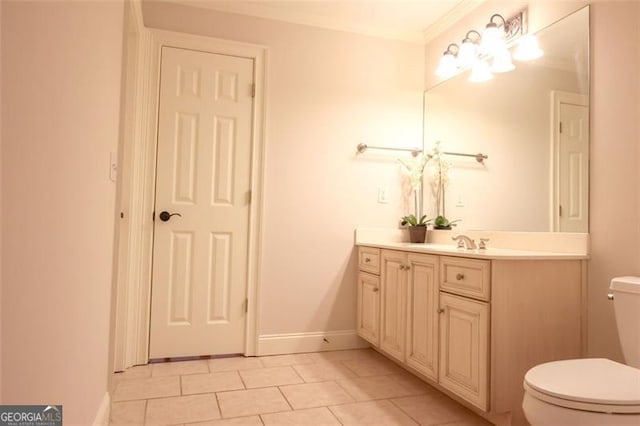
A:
626,302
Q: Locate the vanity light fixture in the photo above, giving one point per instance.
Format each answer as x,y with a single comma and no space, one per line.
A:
528,49
448,66
494,43
468,53
494,36
480,72
502,62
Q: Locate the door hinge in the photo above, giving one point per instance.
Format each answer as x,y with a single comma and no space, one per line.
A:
249,196
253,90
560,126
246,305
560,211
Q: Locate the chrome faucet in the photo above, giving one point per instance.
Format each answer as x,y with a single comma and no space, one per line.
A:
464,242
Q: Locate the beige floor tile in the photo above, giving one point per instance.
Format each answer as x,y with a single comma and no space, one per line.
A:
312,417
413,384
234,363
137,372
435,409
182,409
323,371
238,421
272,376
153,387
179,368
212,382
251,402
281,360
374,366
343,355
128,412
377,387
310,395
371,413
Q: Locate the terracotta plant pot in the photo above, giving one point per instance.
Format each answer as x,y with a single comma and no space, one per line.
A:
417,234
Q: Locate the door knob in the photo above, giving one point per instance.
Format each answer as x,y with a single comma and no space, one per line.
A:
165,216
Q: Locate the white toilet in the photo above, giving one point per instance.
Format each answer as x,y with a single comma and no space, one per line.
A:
592,392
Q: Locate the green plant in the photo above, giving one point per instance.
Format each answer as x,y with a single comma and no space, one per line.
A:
442,222
412,220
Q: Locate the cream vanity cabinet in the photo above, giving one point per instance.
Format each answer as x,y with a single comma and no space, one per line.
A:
471,326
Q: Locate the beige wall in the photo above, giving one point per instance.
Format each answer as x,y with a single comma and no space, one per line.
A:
326,90
615,143
615,176
60,114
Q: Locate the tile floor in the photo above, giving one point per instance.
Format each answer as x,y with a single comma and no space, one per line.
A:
355,387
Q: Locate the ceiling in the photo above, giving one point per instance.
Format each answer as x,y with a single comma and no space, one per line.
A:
416,21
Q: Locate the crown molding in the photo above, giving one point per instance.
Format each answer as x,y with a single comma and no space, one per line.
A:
263,10
454,15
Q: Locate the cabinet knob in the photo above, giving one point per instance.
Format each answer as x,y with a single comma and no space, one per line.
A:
367,260
441,310
376,289
402,267
459,277
407,267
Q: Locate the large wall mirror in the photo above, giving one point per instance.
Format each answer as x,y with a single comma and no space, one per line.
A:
533,123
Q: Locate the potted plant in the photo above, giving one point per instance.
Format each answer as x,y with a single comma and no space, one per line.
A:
417,228
442,222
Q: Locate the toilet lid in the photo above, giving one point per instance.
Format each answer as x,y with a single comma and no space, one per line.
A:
592,384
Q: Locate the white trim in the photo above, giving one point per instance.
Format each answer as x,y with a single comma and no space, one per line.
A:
104,411
291,343
131,344
558,97
135,233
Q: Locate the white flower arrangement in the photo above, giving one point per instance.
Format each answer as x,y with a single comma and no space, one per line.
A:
438,176
414,171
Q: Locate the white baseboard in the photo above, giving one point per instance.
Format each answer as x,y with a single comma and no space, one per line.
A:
291,343
104,411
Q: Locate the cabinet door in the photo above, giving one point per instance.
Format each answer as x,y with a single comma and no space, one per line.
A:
369,307
464,333
422,314
393,296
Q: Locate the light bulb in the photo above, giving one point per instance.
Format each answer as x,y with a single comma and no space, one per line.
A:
447,66
528,49
492,39
502,62
480,72
468,54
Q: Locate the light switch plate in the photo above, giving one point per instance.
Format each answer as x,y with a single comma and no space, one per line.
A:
383,194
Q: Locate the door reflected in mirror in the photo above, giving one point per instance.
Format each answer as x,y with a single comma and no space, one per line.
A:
533,123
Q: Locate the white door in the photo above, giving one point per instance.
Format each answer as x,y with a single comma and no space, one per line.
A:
198,301
573,188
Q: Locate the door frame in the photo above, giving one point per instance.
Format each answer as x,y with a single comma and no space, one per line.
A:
133,274
559,97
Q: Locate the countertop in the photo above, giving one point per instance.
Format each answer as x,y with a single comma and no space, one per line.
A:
488,253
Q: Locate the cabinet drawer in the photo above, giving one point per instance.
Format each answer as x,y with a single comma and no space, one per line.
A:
369,260
467,277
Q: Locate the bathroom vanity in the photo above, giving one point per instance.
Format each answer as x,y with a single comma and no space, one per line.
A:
471,322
